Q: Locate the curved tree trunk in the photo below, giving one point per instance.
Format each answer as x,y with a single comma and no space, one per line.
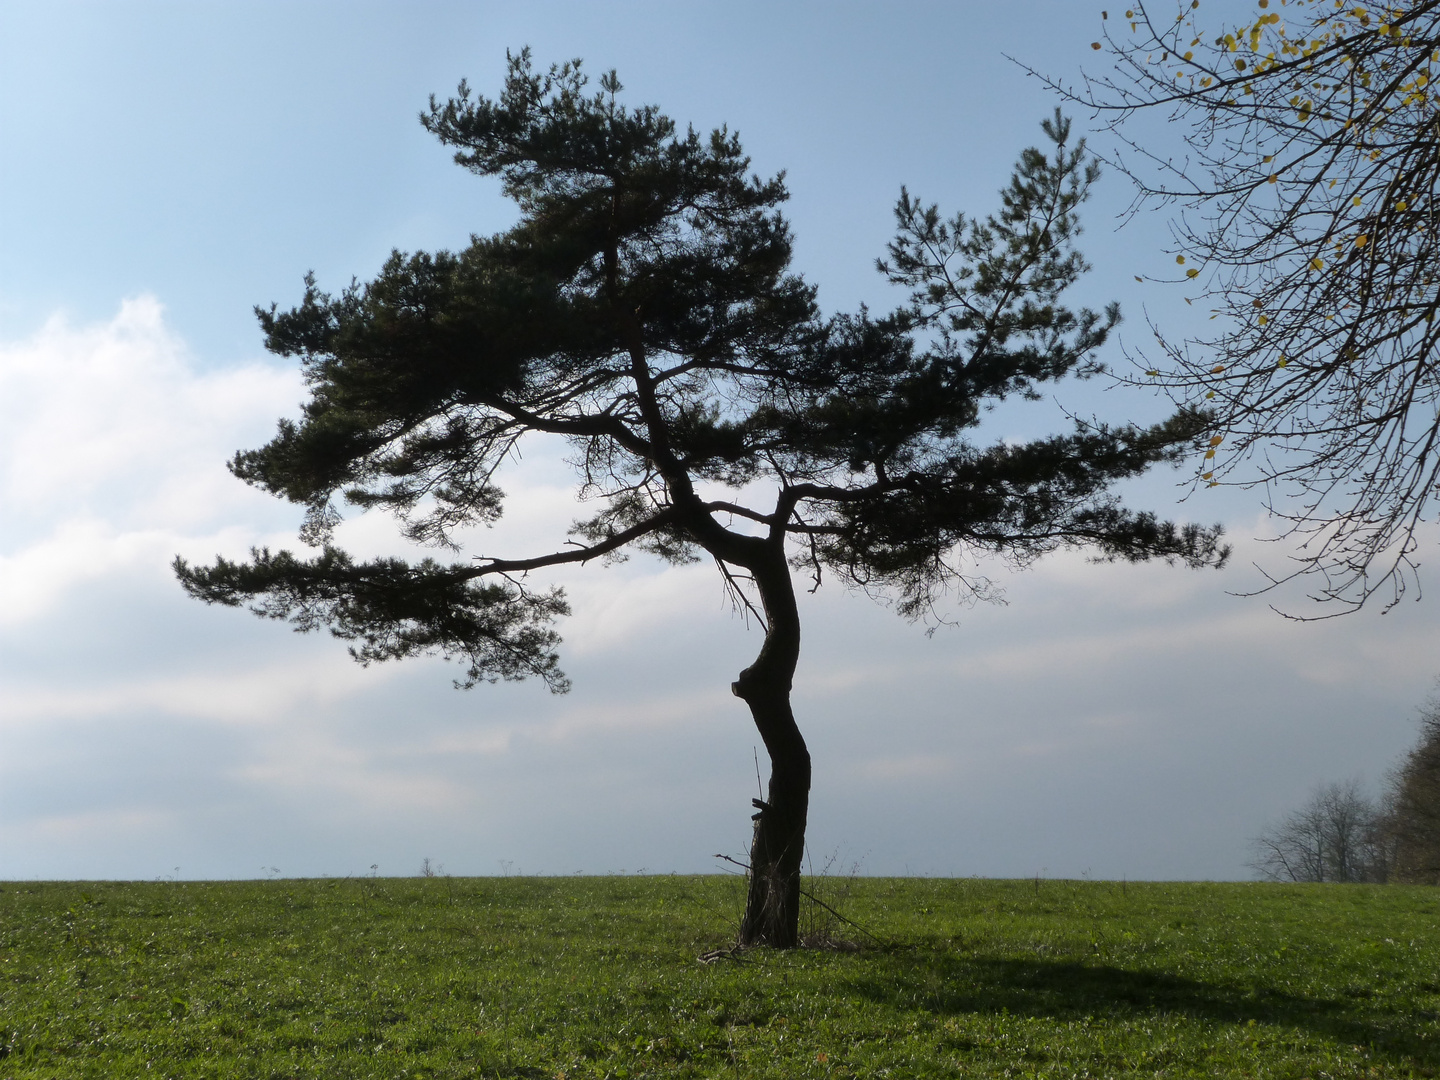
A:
772,905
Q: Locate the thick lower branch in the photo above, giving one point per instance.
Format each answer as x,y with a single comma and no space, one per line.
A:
581,553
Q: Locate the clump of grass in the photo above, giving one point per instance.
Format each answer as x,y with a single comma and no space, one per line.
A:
823,922
596,977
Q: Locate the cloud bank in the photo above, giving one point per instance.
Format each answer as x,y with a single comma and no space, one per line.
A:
1107,720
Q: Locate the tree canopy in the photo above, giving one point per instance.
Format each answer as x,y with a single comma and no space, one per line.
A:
642,308
1308,199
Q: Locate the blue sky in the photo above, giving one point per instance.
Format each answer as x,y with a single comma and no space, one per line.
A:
170,165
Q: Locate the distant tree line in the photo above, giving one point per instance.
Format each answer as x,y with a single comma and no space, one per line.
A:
1341,834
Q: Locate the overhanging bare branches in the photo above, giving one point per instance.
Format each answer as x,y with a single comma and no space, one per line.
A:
1308,223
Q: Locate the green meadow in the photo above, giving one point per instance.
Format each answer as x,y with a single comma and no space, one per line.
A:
600,977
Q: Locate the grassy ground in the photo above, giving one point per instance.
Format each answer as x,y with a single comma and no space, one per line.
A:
597,977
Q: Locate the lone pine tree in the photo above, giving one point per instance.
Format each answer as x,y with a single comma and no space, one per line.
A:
642,308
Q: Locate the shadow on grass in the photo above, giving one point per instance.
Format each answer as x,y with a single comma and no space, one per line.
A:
950,984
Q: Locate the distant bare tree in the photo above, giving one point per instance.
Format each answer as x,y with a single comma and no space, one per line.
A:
1412,817
1340,834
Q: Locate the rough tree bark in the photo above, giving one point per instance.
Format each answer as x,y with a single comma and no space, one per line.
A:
772,904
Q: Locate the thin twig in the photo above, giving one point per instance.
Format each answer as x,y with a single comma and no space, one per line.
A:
848,922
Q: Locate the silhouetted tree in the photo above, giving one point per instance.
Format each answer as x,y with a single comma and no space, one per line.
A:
642,309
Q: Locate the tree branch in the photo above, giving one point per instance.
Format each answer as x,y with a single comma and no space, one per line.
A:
581,554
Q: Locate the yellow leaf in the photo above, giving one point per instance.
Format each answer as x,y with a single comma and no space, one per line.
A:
1209,454
1213,483
1217,369
1180,259
1356,200
1317,264
1267,159
1263,320
1206,475
1152,373
1216,440
1401,205
1283,362
1361,240
1210,395
1271,178
1191,273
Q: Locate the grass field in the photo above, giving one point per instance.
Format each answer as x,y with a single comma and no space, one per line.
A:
598,977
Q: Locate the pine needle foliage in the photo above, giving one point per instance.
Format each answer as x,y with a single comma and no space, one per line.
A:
643,310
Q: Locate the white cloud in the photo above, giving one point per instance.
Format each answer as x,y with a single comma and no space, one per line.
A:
75,551
247,694
86,413
113,449
111,824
